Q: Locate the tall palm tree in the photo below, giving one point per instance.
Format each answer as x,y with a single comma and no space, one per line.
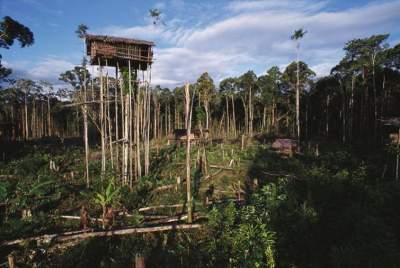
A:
155,15
297,35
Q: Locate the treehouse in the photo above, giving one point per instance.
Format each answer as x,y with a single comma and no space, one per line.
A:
116,51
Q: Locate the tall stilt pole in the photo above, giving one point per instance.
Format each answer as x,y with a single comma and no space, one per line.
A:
109,125
85,131
102,123
130,125
116,118
138,102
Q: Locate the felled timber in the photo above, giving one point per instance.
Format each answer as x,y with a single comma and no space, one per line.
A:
160,206
68,236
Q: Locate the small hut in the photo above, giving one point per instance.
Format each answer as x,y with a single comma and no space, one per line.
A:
285,146
117,51
195,134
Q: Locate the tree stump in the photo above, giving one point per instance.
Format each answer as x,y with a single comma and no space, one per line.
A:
140,261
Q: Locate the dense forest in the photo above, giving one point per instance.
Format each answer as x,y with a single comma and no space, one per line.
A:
111,143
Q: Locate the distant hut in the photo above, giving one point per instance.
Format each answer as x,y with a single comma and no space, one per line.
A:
195,135
285,146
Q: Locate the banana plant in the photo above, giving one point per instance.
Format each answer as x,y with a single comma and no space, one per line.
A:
107,197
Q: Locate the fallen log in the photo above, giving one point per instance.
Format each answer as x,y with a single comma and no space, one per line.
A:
160,206
65,237
155,217
164,187
277,174
168,220
67,217
220,167
8,176
176,219
45,237
213,175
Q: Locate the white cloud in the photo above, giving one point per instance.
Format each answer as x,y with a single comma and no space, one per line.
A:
253,34
48,68
240,6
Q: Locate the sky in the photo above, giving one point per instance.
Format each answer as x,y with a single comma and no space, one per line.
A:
223,38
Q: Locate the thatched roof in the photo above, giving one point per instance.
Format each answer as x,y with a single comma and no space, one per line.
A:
120,40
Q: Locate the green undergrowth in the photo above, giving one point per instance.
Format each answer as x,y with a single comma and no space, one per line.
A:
338,209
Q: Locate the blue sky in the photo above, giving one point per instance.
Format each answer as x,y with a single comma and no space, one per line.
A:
225,38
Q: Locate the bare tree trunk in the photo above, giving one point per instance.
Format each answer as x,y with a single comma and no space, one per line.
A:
351,120
85,133
233,116
146,117
263,126
125,153
26,115
375,103
246,116
188,127
33,120
298,96
169,119
206,108
273,126
250,114
49,117
227,116
327,116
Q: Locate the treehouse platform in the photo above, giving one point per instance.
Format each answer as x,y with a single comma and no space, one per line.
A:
116,51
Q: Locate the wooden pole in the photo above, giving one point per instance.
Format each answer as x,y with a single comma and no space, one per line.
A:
138,101
116,118
129,122
102,124
109,119
85,131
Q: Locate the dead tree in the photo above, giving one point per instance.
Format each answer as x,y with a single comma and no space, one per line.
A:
188,123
